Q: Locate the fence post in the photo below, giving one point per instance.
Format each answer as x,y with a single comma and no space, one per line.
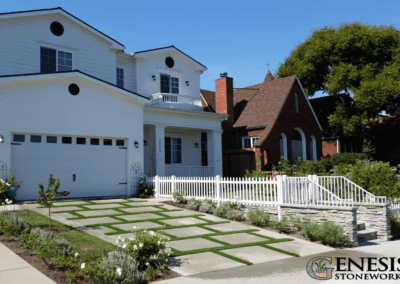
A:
157,186
172,185
316,197
310,189
279,188
218,188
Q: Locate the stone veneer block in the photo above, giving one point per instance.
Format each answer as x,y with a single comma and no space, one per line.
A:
140,209
256,254
187,232
67,208
230,227
183,221
94,221
182,213
241,238
109,200
193,244
104,206
138,225
98,212
136,217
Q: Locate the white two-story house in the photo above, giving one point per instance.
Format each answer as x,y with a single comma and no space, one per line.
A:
75,105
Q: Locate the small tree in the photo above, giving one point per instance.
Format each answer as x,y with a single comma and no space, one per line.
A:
46,199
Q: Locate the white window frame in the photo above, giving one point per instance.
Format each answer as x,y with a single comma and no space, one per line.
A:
170,87
123,77
62,49
172,150
296,99
252,138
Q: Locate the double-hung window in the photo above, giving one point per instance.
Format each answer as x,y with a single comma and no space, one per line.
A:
120,77
169,84
173,150
52,60
248,141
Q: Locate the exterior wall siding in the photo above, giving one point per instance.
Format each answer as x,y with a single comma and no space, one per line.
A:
127,64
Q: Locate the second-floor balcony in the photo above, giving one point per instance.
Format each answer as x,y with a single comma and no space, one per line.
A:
177,101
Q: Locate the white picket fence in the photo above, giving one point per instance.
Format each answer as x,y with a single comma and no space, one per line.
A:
275,191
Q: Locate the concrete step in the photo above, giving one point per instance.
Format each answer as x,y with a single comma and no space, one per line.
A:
360,226
366,235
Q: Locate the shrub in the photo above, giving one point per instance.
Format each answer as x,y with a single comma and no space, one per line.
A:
231,205
347,158
154,270
178,195
220,211
193,204
207,207
279,225
6,227
4,189
235,215
307,167
258,216
18,224
394,226
46,199
285,168
144,190
309,230
296,222
331,234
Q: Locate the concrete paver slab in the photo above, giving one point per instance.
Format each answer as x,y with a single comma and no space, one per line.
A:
65,215
201,262
212,218
256,254
193,244
94,221
170,207
103,206
69,203
182,213
241,238
140,209
136,217
66,208
187,232
302,247
131,236
139,225
109,200
183,221
229,227
98,212
100,229
271,234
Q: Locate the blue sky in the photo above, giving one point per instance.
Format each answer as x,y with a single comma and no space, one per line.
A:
238,37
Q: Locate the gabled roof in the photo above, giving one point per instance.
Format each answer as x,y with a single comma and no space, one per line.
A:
22,77
162,49
209,98
61,11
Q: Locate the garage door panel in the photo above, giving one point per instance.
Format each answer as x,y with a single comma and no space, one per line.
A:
99,169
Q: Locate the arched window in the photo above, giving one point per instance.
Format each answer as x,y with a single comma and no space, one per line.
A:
298,145
313,149
283,147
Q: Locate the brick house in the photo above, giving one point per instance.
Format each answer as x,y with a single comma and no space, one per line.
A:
273,119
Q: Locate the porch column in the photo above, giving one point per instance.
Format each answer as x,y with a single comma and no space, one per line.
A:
214,138
160,150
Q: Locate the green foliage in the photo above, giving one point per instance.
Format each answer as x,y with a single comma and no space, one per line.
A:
308,167
147,244
352,58
258,216
235,215
285,168
145,191
296,222
347,158
193,204
328,233
6,228
394,226
231,205
14,224
310,230
207,206
178,195
5,191
220,211
46,199
279,225
154,270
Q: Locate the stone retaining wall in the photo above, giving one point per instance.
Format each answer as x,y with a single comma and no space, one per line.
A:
375,216
345,217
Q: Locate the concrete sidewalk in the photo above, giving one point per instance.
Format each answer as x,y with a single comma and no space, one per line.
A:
13,269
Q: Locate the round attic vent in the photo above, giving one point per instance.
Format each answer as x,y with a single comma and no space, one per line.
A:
169,62
56,28
73,89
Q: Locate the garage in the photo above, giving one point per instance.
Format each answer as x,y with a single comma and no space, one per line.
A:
86,166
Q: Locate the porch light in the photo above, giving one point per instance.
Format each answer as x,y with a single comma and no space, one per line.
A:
1,139
136,144
196,145
154,77
187,83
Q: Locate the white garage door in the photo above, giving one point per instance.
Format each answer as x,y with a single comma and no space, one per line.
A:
86,166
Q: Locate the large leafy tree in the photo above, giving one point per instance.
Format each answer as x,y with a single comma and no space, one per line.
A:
354,59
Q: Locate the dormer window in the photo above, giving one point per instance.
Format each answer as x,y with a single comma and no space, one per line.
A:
296,98
120,77
169,84
53,60
249,141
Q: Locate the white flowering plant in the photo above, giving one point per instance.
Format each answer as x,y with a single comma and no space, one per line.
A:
5,189
146,244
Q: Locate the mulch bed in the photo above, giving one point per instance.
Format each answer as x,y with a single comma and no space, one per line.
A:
51,271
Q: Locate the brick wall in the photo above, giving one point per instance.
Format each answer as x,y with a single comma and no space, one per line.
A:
329,147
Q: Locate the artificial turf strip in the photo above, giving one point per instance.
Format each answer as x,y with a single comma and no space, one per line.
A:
280,250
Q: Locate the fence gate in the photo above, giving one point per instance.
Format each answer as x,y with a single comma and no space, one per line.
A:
3,171
136,175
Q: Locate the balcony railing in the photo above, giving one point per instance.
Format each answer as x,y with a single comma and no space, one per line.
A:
177,101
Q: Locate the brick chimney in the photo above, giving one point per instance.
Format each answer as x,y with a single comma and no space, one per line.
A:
224,99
